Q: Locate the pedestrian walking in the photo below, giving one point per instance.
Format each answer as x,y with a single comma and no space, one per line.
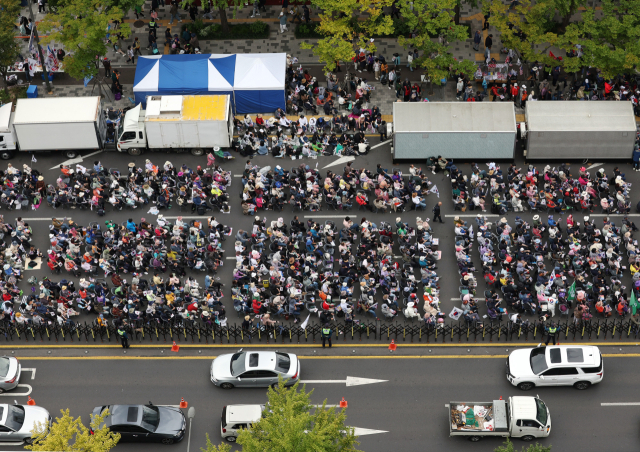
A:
137,10
327,332
636,159
436,212
256,8
106,63
130,55
124,338
283,22
409,61
488,43
174,13
477,39
136,46
382,130
41,6
207,10
551,333
305,14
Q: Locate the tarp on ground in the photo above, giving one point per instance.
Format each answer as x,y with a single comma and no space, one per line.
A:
183,74
259,82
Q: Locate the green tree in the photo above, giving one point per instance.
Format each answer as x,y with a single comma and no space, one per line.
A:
81,27
221,6
8,45
288,425
508,447
435,31
211,448
344,21
528,28
70,434
610,40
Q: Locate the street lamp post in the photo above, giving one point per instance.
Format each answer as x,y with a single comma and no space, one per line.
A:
37,39
190,414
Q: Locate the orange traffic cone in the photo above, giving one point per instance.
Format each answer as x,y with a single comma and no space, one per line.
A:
500,397
175,347
392,345
30,401
343,403
183,404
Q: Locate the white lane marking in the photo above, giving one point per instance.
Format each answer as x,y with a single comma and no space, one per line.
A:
32,370
472,215
621,404
350,381
237,175
595,165
446,405
231,258
340,161
380,144
327,406
13,394
171,406
78,159
366,431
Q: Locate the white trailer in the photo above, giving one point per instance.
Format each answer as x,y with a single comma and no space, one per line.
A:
179,123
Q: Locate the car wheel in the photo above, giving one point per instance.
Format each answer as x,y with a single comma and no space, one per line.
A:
28,441
274,386
582,385
5,155
197,151
526,386
71,154
528,438
135,151
231,439
226,386
475,439
1,390
167,441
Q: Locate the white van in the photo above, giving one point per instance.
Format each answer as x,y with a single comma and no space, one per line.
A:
237,417
579,366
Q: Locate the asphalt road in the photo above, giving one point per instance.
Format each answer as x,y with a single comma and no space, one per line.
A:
447,269
410,406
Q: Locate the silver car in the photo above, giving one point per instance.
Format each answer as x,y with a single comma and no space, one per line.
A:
254,369
9,373
18,421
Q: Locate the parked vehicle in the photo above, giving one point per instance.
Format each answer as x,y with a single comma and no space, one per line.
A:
238,417
18,421
145,423
579,366
254,369
518,417
10,370
193,124
68,124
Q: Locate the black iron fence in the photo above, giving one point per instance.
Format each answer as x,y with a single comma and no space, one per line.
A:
417,332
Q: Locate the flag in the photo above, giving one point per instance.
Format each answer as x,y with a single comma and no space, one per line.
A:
304,324
633,303
571,293
51,61
33,159
33,66
87,80
551,280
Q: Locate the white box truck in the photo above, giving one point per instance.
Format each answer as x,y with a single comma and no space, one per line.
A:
518,417
193,124
67,124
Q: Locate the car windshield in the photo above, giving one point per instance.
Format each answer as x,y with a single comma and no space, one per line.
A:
283,363
541,412
538,361
4,366
15,417
150,418
237,363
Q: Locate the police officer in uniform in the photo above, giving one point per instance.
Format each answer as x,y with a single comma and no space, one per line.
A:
124,338
326,334
551,333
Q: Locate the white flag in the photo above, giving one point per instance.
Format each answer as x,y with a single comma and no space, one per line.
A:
33,158
305,323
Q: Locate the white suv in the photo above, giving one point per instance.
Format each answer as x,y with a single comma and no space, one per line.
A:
579,366
237,417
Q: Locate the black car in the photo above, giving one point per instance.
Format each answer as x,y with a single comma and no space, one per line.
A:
145,423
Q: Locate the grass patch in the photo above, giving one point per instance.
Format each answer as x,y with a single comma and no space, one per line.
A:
254,30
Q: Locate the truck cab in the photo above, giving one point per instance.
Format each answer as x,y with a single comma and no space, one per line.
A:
131,132
530,418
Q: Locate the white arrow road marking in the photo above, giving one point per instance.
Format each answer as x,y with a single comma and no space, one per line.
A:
350,381
78,159
13,394
32,370
326,406
380,144
621,404
366,431
340,161
595,165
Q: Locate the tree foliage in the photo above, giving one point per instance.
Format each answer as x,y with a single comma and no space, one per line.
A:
221,6
508,447
610,40
210,447
288,425
70,434
344,21
81,27
435,31
9,10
